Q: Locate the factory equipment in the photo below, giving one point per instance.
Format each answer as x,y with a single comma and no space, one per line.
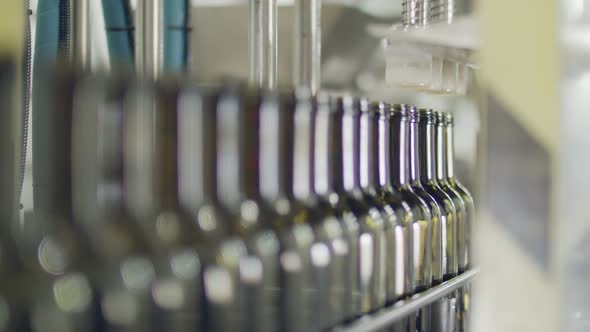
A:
280,198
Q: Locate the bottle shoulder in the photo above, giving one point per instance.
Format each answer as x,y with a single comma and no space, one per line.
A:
419,205
464,192
444,200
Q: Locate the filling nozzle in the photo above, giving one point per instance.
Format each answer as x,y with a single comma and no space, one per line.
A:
307,45
263,39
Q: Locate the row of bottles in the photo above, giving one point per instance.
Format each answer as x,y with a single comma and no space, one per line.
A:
181,206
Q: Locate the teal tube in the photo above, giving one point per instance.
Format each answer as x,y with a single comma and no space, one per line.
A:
176,29
119,29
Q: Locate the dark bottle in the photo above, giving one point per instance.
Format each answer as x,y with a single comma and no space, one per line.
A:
152,136
400,170
239,148
123,271
298,288
328,175
434,205
401,159
310,236
368,184
401,283
159,206
369,218
376,185
447,179
448,230
443,313
329,253
225,277
464,229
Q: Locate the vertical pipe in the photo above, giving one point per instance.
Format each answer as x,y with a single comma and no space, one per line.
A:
176,35
307,44
80,51
148,38
263,39
119,28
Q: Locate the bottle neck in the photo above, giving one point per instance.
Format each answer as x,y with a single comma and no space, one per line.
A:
250,144
167,140
384,148
276,149
351,148
140,169
230,155
302,159
323,165
399,148
414,145
197,141
450,151
427,152
328,170
369,150
440,158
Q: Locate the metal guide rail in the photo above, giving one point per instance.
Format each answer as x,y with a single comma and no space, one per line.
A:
401,309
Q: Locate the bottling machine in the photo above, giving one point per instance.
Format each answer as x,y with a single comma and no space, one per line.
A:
512,74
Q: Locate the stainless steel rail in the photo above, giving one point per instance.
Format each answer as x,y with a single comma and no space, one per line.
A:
391,314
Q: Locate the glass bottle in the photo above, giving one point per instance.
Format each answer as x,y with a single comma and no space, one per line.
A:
370,220
401,280
296,237
328,175
395,211
123,271
329,253
464,229
400,170
443,313
225,274
239,126
368,185
447,179
416,185
311,234
401,283
401,158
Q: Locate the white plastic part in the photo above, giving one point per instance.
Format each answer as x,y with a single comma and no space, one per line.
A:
432,58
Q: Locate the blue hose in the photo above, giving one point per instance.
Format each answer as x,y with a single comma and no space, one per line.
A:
176,29
119,28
